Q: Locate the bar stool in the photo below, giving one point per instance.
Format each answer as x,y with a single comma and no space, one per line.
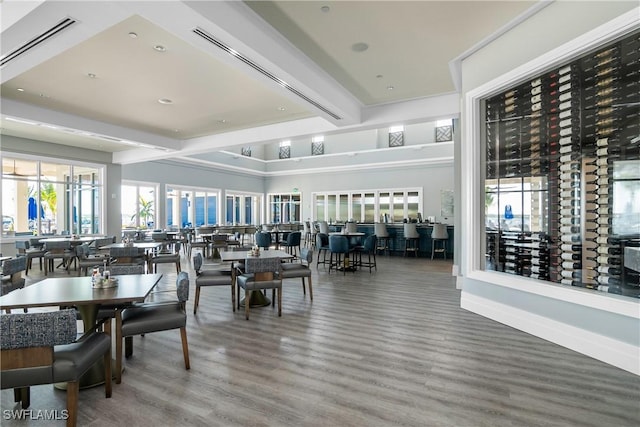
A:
439,234
411,239
382,235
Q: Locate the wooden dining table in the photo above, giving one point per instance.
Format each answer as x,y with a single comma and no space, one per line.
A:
258,299
79,292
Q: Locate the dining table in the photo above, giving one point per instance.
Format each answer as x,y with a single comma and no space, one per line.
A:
258,299
80,292
351,236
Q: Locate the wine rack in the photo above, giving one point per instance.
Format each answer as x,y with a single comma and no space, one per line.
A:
559,139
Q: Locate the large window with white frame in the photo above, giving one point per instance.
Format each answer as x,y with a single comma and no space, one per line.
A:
284,208
368,206
192,207
243,208
139,202
42,196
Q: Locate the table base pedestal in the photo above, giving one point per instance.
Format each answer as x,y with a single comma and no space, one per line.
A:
258,299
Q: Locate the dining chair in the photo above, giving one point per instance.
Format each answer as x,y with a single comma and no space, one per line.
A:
322,246
352,227
85,259
292,243
12,274
42,348
368,247
166,258
323,227
306,229
161,237
211,278
439,234
263,239
197,242
260,274
58,250
382,235
291,270
127,255
24,249
338,246
145,318
411,239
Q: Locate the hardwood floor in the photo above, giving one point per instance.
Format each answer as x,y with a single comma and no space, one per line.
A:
382,349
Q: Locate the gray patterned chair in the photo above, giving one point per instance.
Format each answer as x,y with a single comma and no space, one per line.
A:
260,274
146,318
41,348
58,250
87,260
24,249
127,255
211,278
166,258
12,274
291,270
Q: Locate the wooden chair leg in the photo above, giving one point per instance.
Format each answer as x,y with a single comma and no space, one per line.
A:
185,347
128,347
304,288
273,297
247,297
72,403
233,298
310,289
197,300
107,374
118,346
22,395
279,291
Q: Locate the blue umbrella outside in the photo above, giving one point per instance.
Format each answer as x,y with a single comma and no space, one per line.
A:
32,209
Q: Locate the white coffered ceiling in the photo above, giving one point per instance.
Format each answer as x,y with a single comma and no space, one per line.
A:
232,73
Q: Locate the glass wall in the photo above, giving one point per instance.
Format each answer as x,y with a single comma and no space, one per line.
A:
41,196
191,207
243,208
562,172
138,209
284,208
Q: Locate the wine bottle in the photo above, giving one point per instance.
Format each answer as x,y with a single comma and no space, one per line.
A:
570,238
570,266
570,247
613,271
570,256
568,229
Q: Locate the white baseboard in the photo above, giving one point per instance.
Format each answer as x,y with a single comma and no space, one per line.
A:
622,355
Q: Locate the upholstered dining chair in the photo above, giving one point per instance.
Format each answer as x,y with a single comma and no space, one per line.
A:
146,318
58,250
411,239
24,249
12,274
260,274
352,227
263,239
292,243
167,258
383,237
291,270
323,227
197,242
127,255
338,251
211,278
85,259
439,234
369,248
322,246
41,348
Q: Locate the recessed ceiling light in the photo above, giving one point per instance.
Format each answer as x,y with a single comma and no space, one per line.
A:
20,89
281,108
133,35
390,88
165,101
379,76
160,48
325,9
359,47
91,75
222,121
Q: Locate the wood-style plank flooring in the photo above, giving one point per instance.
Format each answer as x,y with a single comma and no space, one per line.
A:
391,348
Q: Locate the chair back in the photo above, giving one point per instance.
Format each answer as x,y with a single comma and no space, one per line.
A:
104,241
410,231
294,238
263,240
338,244
14,265
439,232
22,246
370,243
182,286
83,251
126,252
262,265
306,227
352,227
119,270
57,246
322,241
380,230
23,330
324,227
159,236
306,254
197,262
35,242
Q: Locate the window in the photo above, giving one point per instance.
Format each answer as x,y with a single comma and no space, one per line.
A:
369,206
317,145
192,207
50,196
285,149
284,208
138,209
243,208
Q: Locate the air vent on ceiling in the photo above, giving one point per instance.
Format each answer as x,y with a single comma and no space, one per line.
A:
208,37
41,38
